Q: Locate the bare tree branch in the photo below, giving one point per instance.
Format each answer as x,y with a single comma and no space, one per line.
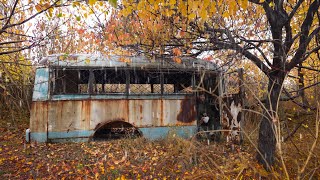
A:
304,39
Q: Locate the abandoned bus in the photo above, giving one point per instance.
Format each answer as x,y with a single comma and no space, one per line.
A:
84,97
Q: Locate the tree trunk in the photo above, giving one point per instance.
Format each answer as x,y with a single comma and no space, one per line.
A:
267,138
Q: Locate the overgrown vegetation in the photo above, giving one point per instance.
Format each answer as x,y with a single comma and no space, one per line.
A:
168,158
280,37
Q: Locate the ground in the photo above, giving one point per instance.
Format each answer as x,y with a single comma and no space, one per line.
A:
170,158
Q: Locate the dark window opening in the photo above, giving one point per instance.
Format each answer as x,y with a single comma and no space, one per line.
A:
121,81
116,130
144,82
178,82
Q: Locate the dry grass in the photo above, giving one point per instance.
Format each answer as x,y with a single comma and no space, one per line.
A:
168,158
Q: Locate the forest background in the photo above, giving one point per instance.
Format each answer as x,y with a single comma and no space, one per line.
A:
276,42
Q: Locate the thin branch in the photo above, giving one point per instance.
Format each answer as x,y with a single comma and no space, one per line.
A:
304,39
16,34
315,50
11,14
297,103
15,63
261,52
18,50
309,68
29,18
306,87
294,130
12,42
296,7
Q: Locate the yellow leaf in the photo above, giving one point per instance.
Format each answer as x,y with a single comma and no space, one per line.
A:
87,61
75,3
203,14
113,3
213,8
232,7
244,4
50,12
191,16
305,125
225,14
91,2
271,4
205,3
183,9
123,177
156,7
172,2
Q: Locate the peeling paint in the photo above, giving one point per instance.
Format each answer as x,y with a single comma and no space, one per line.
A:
41,85
59,116
85,115
187,112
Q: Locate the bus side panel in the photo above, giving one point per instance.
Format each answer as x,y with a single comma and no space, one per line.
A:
179,112
68,116
145,113
38,121
170,111
41,85
103,111
80,118
162,112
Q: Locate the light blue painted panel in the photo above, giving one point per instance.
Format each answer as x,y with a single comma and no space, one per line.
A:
74,136
151,133
117,96
41,85
70,134
154,133
38,137
65,140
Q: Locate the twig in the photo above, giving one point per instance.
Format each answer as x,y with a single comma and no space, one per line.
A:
314,143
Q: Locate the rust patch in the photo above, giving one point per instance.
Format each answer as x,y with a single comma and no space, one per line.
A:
187,112
88,110
161,113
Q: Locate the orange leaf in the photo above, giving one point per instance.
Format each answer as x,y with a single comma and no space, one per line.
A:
177,60
176,51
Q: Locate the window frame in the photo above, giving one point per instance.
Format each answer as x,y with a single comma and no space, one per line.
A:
128,72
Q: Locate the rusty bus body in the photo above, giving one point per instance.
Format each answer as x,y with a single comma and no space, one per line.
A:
77,96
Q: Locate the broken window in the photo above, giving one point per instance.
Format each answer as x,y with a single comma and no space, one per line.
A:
145,82
177,82
120,81
110,81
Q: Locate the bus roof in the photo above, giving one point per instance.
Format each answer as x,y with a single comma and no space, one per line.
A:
89,60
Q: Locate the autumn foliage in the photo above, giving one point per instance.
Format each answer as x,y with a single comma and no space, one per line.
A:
276,42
